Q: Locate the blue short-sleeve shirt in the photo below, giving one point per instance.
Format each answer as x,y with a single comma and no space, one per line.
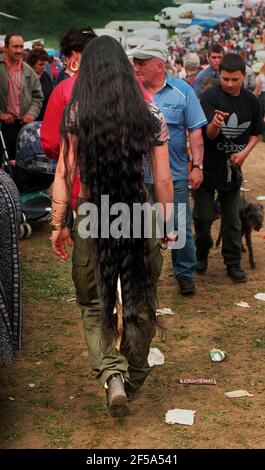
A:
182,110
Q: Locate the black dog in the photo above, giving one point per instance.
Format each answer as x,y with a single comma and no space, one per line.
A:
251,216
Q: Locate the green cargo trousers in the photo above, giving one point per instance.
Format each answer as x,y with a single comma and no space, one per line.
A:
134,368
204,215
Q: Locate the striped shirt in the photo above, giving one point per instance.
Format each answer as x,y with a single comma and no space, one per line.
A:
14,84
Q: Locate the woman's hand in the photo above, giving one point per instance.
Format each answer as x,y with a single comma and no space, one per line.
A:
170,237
168,240
59,240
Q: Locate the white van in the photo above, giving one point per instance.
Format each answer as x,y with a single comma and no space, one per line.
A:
182,25
121,37
128,27
158,34
222,4
168,17
194,7
136,40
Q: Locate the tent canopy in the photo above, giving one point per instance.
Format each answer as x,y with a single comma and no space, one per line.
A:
218,19
206,24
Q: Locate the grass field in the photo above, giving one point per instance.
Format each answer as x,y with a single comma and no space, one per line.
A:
49,397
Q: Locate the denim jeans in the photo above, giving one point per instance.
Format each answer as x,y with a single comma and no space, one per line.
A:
183,260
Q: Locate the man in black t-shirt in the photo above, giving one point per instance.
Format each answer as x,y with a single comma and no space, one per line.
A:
233,131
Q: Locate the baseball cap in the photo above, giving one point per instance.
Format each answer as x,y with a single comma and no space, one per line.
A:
149,50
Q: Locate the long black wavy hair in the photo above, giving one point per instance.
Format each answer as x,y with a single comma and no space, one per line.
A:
114,132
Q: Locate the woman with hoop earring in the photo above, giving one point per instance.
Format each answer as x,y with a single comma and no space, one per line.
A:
71,47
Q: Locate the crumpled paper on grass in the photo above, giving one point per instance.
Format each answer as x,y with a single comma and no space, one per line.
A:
179,416
155,357
164,311
238,394
260,296
242,304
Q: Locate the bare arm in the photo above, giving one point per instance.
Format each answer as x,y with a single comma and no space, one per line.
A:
197,149
63,181
258,87
162,178
239,157
64,178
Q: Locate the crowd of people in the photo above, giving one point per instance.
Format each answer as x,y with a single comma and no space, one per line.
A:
234,34
141,130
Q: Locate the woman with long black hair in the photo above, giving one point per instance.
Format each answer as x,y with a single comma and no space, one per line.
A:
108,132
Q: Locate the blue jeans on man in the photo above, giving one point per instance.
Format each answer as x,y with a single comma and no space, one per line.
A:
183,260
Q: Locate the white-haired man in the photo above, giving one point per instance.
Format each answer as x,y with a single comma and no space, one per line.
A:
191,62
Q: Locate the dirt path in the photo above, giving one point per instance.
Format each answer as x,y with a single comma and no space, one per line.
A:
49,398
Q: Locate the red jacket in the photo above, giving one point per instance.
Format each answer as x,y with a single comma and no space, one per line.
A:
50,128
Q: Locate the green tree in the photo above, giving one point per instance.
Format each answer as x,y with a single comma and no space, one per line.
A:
52,17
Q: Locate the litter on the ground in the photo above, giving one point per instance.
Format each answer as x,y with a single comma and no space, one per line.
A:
260,296
217,355
32,385
245,189
71,300
196,381
179,416
164,311
11,398
243,304
238,394
155,357
260,198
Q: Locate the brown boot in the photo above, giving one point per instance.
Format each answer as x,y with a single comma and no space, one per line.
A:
116,397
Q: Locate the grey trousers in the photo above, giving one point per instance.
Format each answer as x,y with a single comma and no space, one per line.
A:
204,215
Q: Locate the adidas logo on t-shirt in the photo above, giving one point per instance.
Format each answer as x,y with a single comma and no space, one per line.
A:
232,129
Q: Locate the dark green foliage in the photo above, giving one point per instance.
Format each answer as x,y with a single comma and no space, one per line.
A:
52,17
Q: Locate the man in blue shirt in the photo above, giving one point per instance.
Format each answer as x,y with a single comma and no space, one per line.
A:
215,55
182,111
